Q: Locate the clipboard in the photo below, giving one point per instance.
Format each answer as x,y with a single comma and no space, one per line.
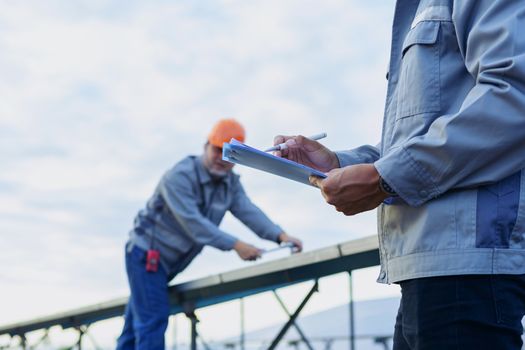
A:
239,153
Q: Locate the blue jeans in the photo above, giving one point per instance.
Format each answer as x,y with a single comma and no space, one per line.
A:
461,312
147,312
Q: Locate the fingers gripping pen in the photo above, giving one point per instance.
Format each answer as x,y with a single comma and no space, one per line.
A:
283,145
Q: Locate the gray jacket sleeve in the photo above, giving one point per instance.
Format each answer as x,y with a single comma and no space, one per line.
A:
253,217
364,154
180,198
486,137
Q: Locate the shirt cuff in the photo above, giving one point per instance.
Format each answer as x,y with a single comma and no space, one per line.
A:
225,242
407,177
274,234
365,154
347,158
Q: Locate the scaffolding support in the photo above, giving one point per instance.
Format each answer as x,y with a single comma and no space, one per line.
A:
351,333
294,316
194,334
242,340
81,332
175,345
193,330
301,334
23,341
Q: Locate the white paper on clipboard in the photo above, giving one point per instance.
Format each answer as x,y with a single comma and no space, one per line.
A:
239,153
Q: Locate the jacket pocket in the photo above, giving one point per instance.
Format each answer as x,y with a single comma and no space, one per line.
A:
517,237
419,87
497,212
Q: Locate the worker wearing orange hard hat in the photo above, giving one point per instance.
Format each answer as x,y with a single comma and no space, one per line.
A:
223,131
182,217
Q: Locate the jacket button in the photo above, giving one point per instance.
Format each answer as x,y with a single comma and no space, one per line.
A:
423,193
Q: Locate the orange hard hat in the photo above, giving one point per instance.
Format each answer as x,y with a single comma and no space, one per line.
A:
224,131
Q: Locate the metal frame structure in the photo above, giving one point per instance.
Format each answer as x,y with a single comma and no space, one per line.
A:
237,284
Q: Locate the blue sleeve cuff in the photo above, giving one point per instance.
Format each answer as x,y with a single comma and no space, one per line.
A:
225,242
361,155
274,234
410,181
347,158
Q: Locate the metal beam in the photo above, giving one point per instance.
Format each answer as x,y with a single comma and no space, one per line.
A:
226,286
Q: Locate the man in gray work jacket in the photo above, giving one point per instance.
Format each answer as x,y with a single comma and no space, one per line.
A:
180,219
448,175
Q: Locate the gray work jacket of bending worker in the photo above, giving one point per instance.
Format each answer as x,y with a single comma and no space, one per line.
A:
186,209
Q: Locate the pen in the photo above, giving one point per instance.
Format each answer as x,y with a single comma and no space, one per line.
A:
282,146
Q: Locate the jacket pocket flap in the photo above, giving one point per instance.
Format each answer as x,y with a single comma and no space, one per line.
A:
425,33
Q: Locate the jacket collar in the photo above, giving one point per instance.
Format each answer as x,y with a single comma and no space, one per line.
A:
205,176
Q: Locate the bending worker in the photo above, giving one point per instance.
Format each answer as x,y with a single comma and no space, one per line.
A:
181,218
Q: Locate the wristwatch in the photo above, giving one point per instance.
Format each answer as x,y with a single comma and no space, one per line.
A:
385,187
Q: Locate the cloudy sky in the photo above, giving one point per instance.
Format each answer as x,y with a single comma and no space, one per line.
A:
99,98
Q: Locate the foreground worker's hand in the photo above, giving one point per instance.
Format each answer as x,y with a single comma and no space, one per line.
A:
247,251
297,243
307,152
352,189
